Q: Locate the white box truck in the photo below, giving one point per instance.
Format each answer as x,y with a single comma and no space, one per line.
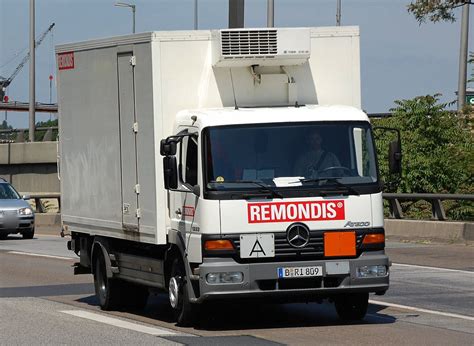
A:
221,164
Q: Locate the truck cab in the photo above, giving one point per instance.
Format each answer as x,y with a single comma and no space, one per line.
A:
278,202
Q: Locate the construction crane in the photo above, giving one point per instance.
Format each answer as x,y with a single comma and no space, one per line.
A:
5,82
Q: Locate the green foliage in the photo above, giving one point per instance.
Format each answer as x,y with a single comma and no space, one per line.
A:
438,151
4,126
435,10
49,123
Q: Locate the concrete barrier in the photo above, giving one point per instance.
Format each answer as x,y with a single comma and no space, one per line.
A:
440,231
30,166
48,223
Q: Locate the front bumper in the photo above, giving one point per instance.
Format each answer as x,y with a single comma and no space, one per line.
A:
261,279
17,224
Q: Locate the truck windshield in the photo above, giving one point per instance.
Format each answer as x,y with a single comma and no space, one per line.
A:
289,155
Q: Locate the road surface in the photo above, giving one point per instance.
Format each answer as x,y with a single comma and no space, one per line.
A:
430,301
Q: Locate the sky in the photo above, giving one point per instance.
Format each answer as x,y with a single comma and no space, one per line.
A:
399,58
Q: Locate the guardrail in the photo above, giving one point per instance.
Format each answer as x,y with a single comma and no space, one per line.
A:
38,196
438,212
435,199
19,135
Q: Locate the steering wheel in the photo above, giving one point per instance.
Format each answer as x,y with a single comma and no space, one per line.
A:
332,168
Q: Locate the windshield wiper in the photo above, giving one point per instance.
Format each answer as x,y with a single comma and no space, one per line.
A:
331,180
265,187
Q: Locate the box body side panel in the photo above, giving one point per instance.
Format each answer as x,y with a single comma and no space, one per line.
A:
90,143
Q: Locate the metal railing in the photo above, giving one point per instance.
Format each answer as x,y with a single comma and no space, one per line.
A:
19,135
435,199
394,199
38,196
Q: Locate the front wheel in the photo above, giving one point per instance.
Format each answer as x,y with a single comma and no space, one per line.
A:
28,234
352,307
183,309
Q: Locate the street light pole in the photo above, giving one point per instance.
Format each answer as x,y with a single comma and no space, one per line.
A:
32,108
270,13
133,7
338,13
195,14
463,57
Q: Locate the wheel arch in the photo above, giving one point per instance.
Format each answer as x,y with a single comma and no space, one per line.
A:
100,246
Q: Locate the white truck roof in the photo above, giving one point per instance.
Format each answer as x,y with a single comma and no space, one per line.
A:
232,116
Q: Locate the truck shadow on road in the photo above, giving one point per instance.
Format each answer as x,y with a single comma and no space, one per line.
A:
253,315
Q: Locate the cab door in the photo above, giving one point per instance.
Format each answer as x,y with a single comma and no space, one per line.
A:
185,202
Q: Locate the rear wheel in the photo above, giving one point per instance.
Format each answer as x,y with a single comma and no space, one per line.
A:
29,234
351,307
183,309
107,290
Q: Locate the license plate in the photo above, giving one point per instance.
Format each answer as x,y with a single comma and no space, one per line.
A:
299,272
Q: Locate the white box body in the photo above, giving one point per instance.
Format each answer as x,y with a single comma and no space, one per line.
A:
102,103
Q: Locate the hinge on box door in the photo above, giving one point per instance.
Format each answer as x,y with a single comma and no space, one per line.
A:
138,213
135,127
133,60
137,189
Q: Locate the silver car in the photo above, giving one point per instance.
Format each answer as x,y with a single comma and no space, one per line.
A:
16,215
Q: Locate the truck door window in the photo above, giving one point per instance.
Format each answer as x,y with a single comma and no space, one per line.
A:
189,161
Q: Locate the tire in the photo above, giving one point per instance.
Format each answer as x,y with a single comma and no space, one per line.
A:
352,307
107,290
183,310
3,236
28,234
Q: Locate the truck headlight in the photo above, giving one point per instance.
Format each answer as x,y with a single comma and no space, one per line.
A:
371,271
25,211
225,278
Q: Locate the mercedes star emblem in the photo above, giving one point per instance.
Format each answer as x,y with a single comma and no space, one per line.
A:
297,235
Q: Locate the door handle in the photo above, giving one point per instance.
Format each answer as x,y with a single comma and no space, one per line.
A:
178,212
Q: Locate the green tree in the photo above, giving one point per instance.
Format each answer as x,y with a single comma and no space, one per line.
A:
39,135
435,10
438,150
4,126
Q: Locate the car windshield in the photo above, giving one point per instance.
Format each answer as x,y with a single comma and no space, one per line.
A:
8,192
289,155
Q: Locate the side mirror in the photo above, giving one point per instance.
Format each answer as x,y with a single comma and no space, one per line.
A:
170,172
167,148
395,157
26,197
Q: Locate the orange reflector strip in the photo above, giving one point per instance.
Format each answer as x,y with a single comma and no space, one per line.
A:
339,244
220,244
374,238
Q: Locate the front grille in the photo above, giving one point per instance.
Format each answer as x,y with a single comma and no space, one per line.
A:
10,212
249,42
314,249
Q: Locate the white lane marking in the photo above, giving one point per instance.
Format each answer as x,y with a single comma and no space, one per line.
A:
39,255
119,323
433,268
412,308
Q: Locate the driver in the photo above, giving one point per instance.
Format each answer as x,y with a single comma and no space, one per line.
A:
312,163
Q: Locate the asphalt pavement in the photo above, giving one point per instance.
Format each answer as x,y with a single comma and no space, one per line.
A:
430,301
